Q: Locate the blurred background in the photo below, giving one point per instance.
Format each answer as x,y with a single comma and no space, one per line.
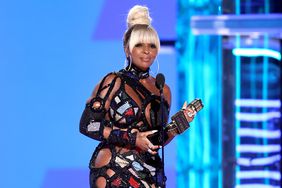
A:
228,53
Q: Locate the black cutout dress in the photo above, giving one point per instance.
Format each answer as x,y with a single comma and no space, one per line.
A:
130,106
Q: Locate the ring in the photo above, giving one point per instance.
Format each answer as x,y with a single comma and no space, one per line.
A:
190,114
149,150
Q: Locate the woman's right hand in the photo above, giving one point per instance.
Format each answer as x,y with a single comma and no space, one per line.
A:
143,143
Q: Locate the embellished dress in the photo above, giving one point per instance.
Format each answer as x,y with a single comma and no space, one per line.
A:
124,104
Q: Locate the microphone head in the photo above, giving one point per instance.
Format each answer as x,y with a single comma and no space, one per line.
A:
160,80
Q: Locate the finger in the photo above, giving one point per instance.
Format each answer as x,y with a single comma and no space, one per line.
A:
189,117
189,110
152,152
184,105
190,114
150,132
151,146
155,147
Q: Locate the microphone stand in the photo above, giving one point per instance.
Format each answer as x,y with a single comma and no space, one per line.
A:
160,80
162,134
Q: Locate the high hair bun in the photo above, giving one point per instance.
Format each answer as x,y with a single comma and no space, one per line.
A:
138,15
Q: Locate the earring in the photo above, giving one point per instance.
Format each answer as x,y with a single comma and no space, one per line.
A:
124,64
128,61
158,67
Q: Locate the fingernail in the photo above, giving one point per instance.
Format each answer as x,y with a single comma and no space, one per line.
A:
184,105
154,131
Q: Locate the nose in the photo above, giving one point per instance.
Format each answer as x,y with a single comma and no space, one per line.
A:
146,50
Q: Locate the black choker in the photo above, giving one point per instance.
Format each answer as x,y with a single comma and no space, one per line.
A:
137,73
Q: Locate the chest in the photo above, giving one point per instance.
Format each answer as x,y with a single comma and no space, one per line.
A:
134,104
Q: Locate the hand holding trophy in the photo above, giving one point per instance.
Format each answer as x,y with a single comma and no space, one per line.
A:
179,121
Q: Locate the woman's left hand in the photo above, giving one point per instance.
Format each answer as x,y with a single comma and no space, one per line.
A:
188,112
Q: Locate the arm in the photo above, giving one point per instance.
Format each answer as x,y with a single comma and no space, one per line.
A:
180,120
95,122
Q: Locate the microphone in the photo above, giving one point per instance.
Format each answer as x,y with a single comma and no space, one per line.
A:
160,80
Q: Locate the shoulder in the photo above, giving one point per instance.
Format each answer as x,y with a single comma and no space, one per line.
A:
167,93
107,82
166,87
108,78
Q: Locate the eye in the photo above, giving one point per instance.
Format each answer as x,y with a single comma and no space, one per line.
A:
153,46
138,45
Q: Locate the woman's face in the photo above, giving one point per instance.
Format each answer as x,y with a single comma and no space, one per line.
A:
143,55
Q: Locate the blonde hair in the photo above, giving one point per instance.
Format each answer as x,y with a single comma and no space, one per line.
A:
139,28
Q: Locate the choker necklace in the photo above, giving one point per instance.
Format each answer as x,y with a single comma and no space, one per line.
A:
136,72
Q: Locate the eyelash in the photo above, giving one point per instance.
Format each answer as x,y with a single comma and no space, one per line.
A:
140,44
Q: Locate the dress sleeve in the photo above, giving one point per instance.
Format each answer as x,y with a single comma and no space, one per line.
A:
93,119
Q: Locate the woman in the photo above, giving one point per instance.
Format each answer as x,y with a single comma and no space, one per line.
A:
124,112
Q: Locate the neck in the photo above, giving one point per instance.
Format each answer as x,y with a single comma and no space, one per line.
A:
136,72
